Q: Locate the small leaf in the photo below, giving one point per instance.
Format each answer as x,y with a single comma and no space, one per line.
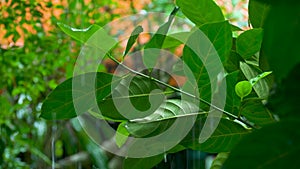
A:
261,86
142,163
121,135
81,35
201,12
157,41
243,88
219,160
134,35
249,42
254,80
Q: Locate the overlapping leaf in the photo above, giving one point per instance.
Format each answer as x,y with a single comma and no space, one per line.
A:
223,139
87,90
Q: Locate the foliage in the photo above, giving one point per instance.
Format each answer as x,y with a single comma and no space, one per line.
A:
256,48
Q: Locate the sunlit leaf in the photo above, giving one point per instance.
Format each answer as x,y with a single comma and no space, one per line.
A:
121,135
201,12
219,160
243,88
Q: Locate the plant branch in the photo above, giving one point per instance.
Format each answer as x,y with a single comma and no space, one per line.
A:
183,92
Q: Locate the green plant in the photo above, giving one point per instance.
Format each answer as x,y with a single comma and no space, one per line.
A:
257,128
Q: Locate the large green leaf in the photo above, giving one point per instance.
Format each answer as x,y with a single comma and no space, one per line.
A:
162,118
220,35
203,54
256,112
249,42
60,102
275,146
258,12
142,163
281,38
261,87
201,12
134,97
224,138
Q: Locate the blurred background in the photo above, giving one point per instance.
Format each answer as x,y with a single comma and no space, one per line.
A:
35,56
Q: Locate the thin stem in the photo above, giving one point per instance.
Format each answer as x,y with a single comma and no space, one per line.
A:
181,91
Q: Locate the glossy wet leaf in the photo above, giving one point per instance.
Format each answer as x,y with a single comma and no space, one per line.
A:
133,37
275,146
249,42
60,102
201,12
243,88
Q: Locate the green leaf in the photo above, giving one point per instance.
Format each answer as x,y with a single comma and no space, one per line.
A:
175,39
256,112
81,35
261,86
220,35
249,42
157,41
204,51
243,88
281,40
201,12
254,80
225,137
162,118
59,104
134,97
134,35
258,12
121,135
275,146
142,163
219,160
233,102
